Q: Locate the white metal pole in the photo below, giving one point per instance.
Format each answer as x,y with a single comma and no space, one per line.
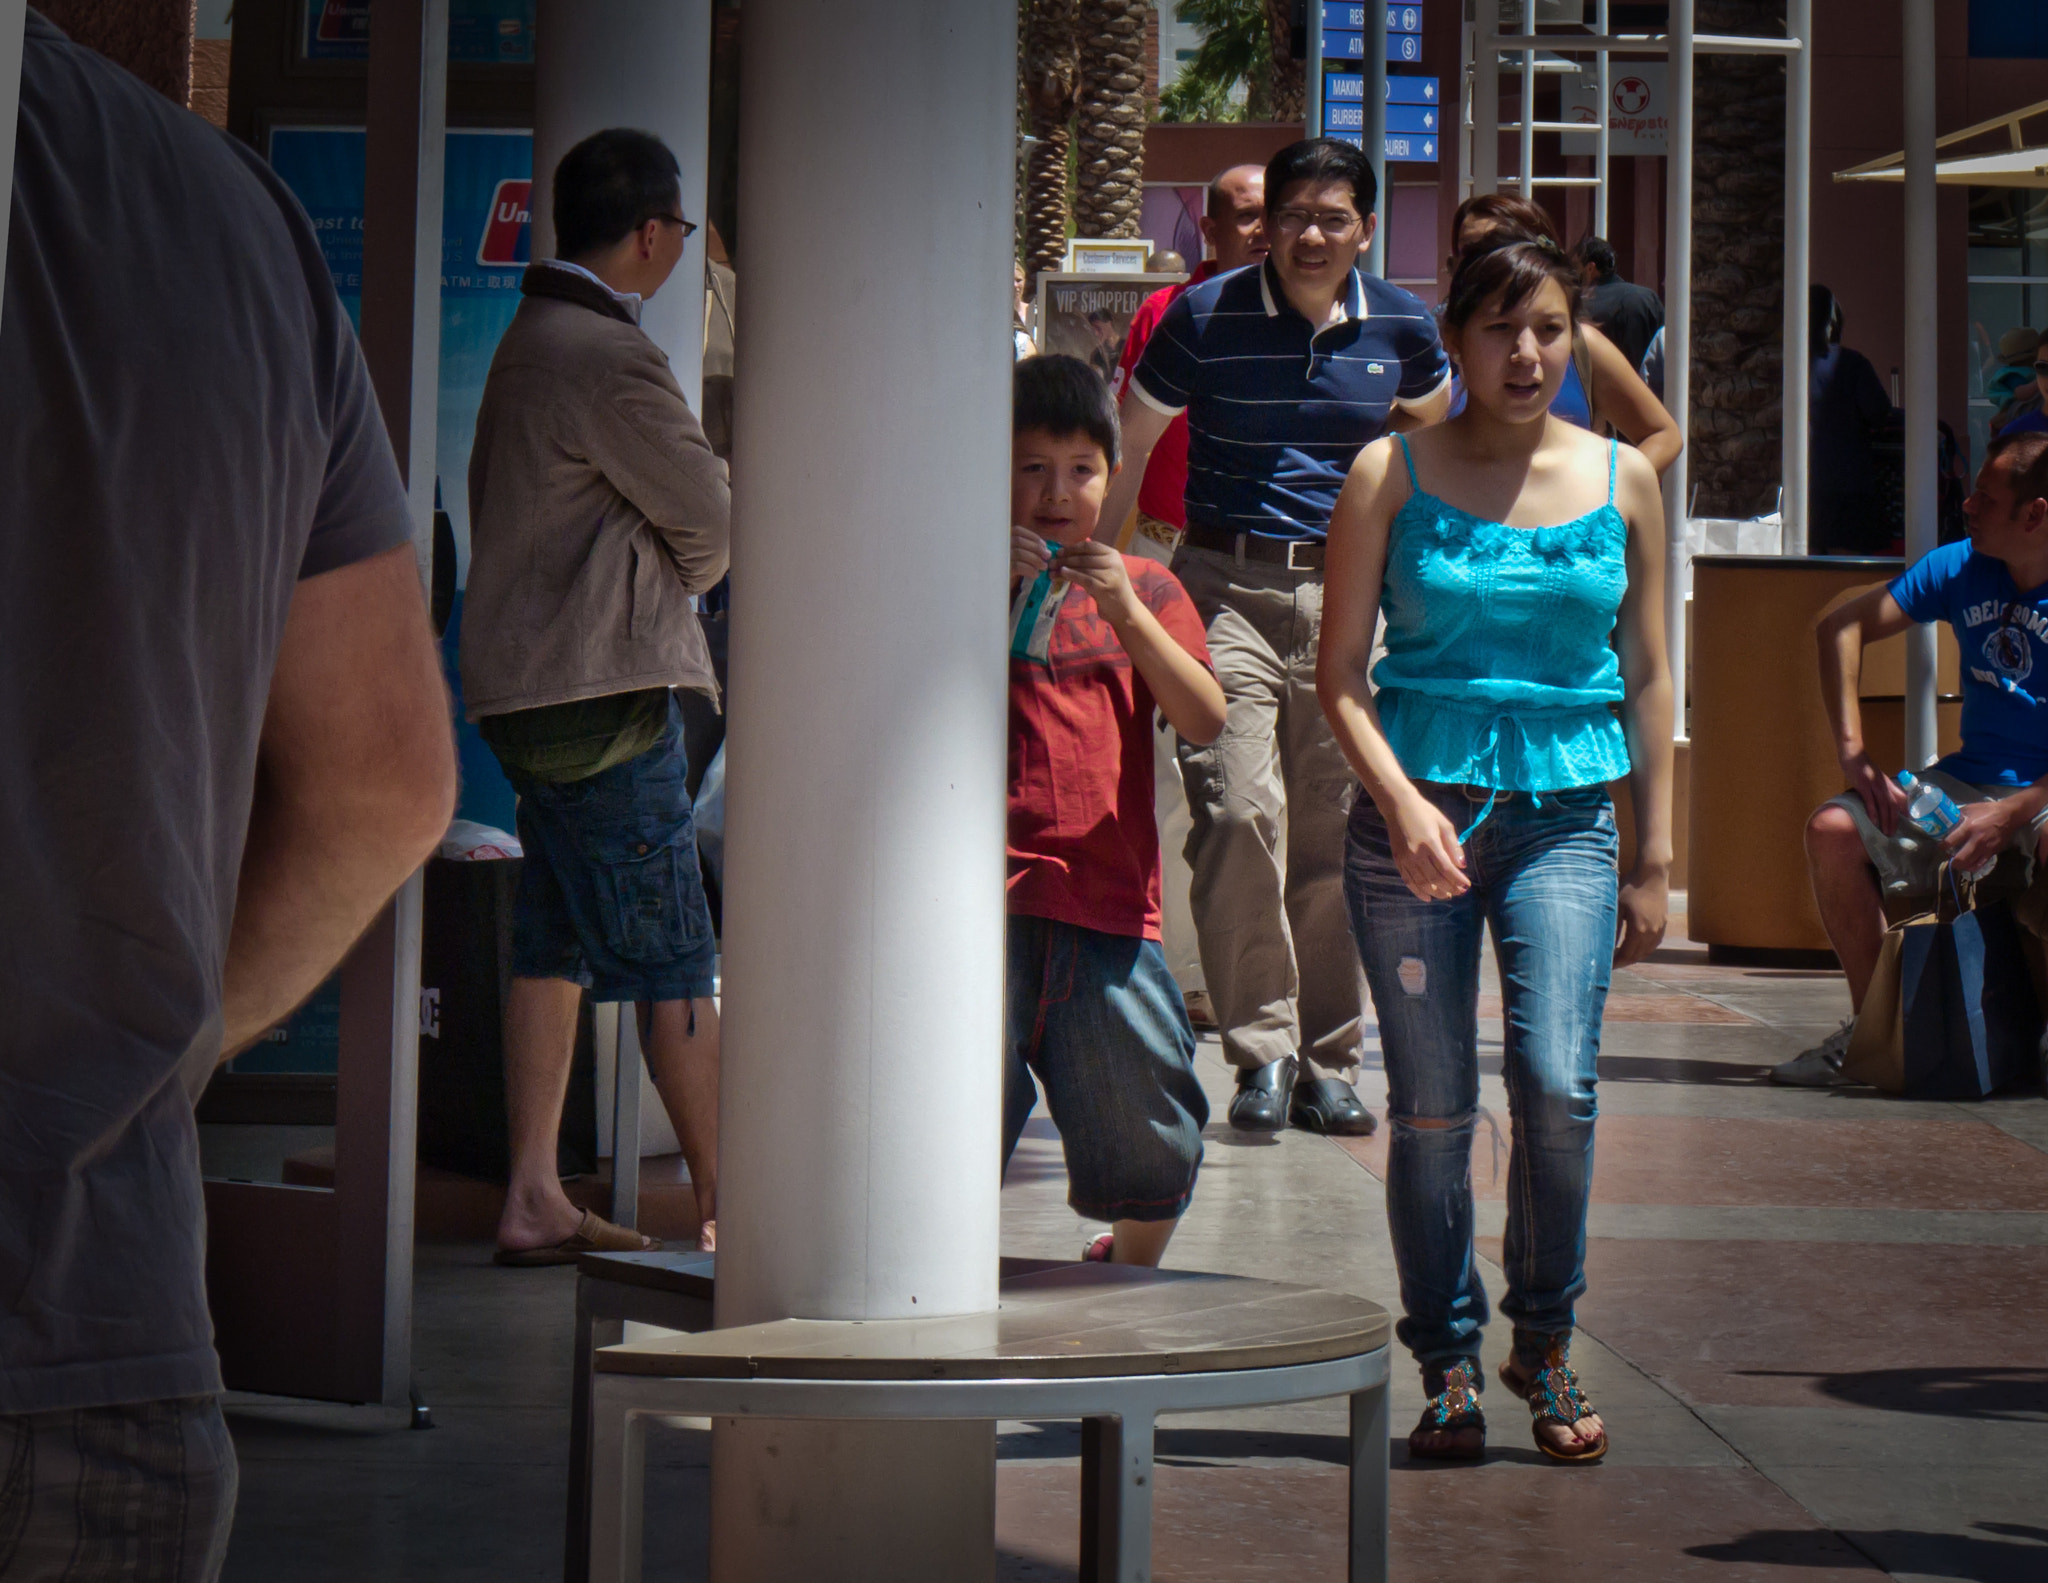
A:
1312,96
1375,127
1678,340
861,1103
1604,63
1798,361
1527,165
1921,285
13,19
639,63
1486,100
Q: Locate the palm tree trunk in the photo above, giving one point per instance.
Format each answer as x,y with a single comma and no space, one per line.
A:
1287,80
1112,117
1051,73
1738,240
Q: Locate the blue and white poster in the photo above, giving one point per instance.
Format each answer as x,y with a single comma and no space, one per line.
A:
485,238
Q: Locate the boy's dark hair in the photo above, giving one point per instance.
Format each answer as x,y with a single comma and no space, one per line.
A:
1063,395
1595,251
2028,464
609,185
1320,160
1512,270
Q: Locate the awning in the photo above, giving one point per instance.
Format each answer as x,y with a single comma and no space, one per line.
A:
2008,167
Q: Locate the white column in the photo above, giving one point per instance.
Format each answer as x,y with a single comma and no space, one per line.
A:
864,846
1603,67
1798,363
1678,339
1921,392
13,17
637,63
1486,100
1375,128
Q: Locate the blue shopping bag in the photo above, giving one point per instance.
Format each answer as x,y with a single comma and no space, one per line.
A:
1969,1020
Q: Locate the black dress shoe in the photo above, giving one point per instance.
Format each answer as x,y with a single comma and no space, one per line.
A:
1262,1095
1330,1105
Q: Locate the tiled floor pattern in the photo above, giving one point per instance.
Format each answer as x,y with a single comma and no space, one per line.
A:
1817,1324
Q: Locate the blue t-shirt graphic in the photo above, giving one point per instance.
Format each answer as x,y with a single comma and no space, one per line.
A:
2003,638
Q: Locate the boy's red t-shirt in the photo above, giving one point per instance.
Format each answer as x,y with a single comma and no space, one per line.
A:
1084,846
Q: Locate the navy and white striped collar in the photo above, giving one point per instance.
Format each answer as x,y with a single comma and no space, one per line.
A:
1354,307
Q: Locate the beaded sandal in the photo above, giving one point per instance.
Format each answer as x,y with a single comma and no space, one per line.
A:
1553,1395
1453,1408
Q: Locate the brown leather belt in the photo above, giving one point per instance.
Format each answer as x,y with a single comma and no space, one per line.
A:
1294,555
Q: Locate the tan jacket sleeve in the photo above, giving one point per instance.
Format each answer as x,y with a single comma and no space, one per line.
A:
642,435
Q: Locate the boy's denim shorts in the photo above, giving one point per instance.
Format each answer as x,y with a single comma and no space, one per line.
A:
1100,1021
611,896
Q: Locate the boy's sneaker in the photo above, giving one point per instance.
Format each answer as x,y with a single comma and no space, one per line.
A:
1098,1250
1820,1067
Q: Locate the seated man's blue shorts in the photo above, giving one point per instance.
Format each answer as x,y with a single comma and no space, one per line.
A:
1101,1022
611,896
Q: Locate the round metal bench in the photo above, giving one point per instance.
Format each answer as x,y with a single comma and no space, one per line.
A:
1104,1343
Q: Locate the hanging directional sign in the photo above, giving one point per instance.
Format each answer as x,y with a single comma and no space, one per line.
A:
1399,90
1341,115
1402,148
1351,18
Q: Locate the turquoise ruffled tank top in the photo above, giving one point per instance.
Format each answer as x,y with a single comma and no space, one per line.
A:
1498,670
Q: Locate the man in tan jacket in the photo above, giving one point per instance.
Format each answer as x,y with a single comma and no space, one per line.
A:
597,510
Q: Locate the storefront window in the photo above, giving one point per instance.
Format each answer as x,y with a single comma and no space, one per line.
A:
2008,278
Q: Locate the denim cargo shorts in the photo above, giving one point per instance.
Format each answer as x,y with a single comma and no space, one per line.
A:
611,896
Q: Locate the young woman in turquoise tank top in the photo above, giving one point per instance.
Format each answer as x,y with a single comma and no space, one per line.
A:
1519,564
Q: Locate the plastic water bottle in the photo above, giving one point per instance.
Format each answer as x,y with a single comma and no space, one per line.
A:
1934,813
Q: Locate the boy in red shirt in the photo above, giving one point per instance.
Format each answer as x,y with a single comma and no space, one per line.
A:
1091,1007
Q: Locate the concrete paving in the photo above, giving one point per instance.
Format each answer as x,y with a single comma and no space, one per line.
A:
1814,1324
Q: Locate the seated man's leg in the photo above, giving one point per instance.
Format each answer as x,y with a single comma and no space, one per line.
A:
1845,887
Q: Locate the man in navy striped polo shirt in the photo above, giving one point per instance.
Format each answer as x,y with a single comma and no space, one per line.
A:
1286,370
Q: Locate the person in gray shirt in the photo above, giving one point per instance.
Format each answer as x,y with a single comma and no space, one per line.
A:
227,743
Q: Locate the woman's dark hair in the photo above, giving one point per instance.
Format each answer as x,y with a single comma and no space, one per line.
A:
609,185
1511,271
1823,319
1505,212
1063,395
1320,160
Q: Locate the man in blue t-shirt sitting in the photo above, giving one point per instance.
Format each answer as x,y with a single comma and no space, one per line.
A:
1993,590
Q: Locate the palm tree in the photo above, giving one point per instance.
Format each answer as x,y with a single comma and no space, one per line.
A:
1738,232
1112,116
1051,70
1238,49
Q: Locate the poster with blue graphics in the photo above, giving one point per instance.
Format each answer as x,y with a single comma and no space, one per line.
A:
485,237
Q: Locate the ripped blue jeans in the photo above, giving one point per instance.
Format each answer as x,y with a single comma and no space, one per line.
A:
1543,879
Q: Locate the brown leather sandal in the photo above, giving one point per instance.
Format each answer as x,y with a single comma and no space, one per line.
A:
594,1235
1553,1395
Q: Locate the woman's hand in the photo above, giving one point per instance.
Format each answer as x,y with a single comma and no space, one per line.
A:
1642,910
1426,849
1027,554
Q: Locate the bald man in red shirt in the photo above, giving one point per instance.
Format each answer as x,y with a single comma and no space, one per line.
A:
1235,229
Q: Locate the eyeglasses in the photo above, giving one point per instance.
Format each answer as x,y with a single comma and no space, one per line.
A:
689,227
1331,222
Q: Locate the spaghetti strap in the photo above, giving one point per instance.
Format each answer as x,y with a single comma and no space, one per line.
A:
1613,460
1415,483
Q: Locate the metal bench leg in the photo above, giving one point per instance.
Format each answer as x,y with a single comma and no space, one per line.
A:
618,1480
1122,1552
591,1333
1369,1485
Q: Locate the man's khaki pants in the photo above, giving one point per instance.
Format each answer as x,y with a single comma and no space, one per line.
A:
1269,800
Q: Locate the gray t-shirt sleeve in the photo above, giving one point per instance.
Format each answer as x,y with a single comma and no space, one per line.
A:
363,509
